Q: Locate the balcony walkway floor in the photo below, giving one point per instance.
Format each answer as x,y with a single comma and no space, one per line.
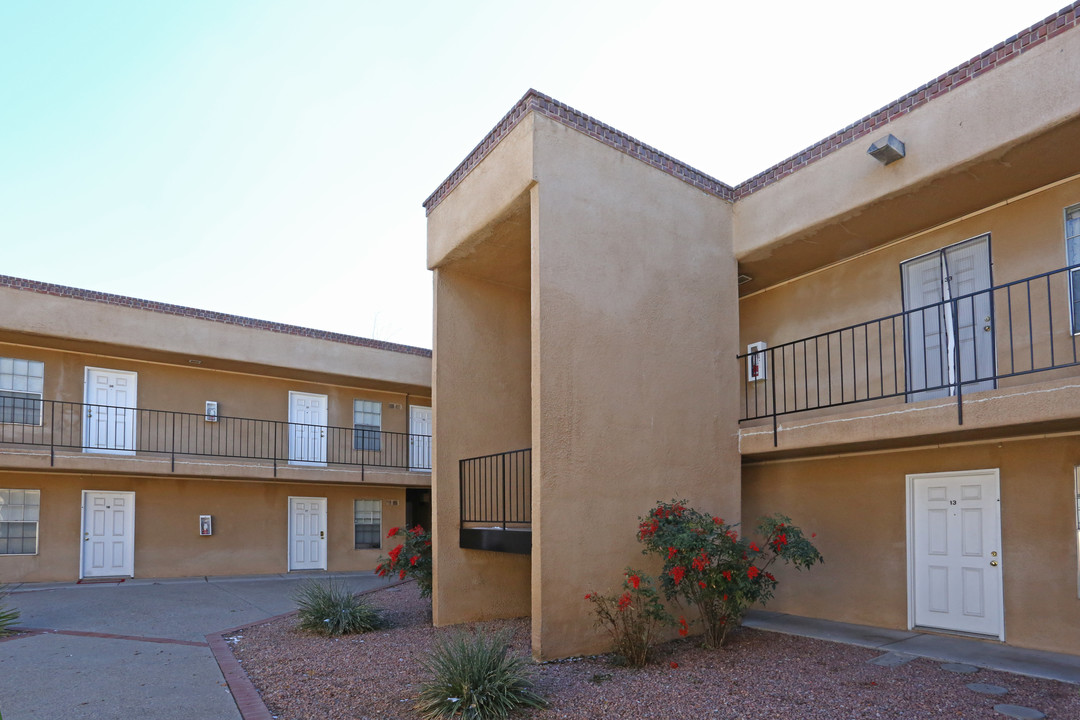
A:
987,654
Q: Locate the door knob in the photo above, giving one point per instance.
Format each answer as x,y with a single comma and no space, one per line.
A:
322,536
993,563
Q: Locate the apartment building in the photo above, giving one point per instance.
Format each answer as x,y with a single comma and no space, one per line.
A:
877,337
140,439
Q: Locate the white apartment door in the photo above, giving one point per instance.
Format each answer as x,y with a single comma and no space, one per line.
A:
307,428
949,342
109,412
419,437
955,550
108,539
307,533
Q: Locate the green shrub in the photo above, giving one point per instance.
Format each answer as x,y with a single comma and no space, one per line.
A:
632,617
475,678
330,609
707,565
8,615
411,558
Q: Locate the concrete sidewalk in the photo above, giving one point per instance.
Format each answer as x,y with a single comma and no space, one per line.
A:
136,649
947,648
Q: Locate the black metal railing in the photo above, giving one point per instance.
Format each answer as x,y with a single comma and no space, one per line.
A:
66,425
964,344
496,490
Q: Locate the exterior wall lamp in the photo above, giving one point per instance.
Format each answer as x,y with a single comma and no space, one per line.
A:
886,150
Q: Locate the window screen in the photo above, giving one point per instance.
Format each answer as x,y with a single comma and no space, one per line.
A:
21,383
19,512
367,425
367,522
1072,248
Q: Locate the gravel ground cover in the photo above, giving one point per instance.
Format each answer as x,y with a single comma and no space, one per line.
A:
757,675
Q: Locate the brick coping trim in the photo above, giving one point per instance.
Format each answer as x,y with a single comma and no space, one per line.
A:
188,312
534,101
247,697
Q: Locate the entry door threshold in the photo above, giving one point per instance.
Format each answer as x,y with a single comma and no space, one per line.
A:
955,633
101,580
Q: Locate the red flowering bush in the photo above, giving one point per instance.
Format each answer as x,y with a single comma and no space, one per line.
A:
411,558
631,617
709,566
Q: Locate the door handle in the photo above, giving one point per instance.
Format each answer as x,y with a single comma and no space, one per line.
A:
322,536
993,563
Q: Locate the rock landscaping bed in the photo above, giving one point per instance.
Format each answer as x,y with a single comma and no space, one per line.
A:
757,675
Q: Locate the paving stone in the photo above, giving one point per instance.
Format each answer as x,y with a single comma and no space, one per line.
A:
959,668
892,659
1019,712
987,689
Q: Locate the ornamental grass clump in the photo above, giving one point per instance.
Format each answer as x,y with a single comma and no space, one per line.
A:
8,615
411,558
475,678
707,564
330,609
632,617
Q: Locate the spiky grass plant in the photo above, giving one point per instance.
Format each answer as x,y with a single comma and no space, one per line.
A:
475,677
8,615
328,608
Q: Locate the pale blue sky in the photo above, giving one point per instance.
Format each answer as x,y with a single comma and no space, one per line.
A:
269,158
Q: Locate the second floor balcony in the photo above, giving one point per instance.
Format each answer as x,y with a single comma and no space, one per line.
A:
82,436
1010,349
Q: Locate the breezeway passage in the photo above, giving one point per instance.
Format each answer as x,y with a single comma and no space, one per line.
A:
137,648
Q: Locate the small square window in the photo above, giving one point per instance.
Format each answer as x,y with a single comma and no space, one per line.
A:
21,383
367,425
19,514
367,523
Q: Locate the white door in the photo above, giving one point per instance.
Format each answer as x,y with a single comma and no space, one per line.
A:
307,533
307,428
954,541
108,542
949,342
109,413
419,437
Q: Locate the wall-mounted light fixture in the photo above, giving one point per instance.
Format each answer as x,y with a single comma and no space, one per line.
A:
886,150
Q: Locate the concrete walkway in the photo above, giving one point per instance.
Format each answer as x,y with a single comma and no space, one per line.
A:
946,648
136,649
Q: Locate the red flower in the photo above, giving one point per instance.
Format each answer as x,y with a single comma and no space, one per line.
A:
718,520
753,572
677,573
401,575
727,575
413,559
702,584
685,627
588,596
393,532
781,539
770,576
427,543
754,547
635,581
624,601
394,554
674,665
813,535
418,530
671,552
701,561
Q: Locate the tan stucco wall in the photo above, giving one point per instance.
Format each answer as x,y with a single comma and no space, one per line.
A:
250,522
481,388
856,505
633,303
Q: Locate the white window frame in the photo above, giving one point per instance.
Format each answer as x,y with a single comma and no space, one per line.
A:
1072,257
9,378
376,507
365,431
20,509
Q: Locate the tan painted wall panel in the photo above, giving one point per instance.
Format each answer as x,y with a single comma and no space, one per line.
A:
634,300
481,388
857,506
